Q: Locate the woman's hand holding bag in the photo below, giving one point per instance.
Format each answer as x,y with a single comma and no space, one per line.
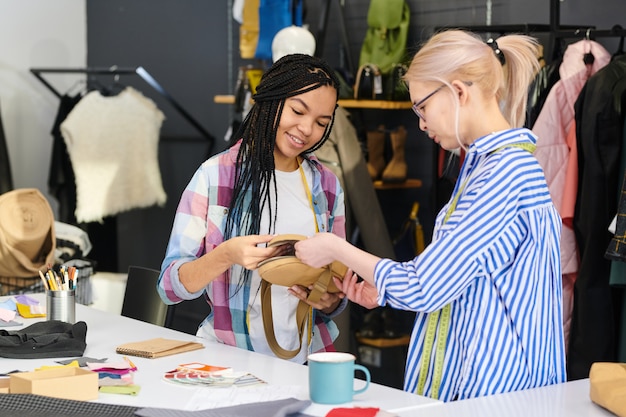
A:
287,270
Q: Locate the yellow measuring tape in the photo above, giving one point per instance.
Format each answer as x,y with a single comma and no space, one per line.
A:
439,321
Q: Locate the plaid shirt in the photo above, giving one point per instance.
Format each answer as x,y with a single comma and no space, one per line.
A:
199,227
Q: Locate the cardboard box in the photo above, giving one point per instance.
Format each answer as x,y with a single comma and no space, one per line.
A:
4,385
67,383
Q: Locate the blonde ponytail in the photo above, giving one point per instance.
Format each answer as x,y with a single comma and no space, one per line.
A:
462,55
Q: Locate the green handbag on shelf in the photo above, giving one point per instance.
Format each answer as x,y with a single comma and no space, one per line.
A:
385,40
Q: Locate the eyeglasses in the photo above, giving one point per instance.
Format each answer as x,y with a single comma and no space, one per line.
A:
419,104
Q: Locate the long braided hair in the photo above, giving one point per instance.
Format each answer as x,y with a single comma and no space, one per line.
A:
291,75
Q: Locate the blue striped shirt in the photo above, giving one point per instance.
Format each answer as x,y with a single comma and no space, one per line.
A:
497,261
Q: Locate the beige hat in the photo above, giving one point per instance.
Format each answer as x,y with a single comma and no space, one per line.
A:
27,239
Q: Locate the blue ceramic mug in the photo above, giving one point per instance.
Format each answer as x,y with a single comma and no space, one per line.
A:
331,377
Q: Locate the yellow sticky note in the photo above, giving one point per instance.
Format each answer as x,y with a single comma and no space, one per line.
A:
26,312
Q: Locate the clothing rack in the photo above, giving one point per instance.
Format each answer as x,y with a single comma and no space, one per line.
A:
554,29
592,33
115,70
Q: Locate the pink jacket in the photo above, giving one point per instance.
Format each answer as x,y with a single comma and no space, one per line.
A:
553,125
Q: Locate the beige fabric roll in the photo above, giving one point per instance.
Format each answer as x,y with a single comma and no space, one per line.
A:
608,386
27,239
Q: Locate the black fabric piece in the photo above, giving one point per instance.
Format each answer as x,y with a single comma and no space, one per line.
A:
44,339
30,405
104,238
61,179
6,180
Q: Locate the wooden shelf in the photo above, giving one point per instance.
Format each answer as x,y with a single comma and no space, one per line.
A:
375,104
409,183
224,99
354,104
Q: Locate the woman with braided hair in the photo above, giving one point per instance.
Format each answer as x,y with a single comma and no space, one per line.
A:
269,182
487,290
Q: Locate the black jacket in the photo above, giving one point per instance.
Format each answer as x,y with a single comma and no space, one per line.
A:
599,124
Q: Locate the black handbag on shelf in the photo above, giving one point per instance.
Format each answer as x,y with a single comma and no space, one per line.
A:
369,83
395,89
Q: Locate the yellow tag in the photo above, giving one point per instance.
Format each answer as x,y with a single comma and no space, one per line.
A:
73,364
120,389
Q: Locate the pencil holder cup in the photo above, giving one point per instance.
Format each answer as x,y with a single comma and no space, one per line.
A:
61,305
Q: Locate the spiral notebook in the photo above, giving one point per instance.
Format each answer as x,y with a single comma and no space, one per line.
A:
156,348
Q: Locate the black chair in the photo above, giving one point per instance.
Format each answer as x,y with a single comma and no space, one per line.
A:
141,299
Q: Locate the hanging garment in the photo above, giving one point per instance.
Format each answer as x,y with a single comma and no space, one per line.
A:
599,141
552,127
237,10
275,15
6,180
112,142
545,79
62,185
249,29
618,248
61,180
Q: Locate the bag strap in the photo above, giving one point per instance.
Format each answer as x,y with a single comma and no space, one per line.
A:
321,285
304,315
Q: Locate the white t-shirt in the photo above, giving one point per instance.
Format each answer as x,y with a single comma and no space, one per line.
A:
294,216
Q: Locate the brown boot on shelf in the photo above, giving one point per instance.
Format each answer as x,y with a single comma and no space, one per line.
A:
396,168
376,152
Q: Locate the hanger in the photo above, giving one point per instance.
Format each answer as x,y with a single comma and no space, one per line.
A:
76,88
112,89
588,58
94,84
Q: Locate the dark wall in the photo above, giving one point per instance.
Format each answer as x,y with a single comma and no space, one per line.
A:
191,48
182,44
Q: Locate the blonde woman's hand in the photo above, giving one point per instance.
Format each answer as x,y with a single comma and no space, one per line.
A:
362,293
317,251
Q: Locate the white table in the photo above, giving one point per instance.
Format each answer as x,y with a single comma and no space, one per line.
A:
570,399
105,331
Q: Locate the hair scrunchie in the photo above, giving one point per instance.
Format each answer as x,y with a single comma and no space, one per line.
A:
496,50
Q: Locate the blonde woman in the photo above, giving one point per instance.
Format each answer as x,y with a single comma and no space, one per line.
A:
487,290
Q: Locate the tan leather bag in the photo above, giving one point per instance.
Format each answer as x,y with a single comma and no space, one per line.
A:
287,270
608,386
